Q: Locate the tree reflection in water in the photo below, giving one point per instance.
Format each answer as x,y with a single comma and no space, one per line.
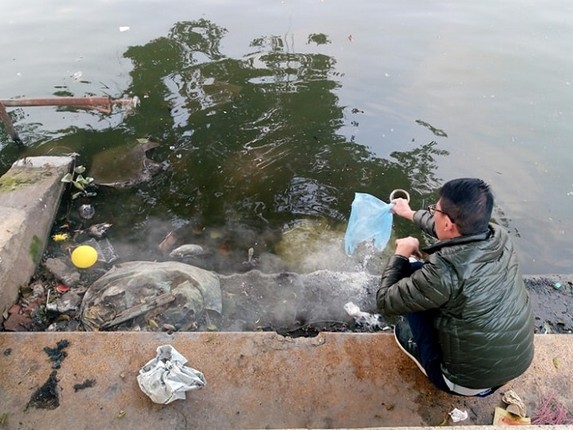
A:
252,142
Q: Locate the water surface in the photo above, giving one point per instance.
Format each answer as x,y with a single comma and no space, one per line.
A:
272,115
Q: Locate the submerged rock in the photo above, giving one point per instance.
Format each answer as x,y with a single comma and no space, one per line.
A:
125,165
148,295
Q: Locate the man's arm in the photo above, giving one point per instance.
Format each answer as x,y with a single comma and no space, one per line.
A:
402,291
421,218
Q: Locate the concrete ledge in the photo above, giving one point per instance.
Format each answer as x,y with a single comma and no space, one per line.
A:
254,380
30,194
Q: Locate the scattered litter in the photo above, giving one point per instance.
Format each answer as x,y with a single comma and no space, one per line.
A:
124,28
68,302
84,256
62,271
188,250
502,417
166,378
515,404
60,237
365,319
105,251
458,415
98,230
130,294
86,211
62,288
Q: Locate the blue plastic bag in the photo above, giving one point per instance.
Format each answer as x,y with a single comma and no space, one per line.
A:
370,220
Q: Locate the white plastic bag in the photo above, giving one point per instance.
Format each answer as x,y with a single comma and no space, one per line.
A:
365,319
165,378
370,220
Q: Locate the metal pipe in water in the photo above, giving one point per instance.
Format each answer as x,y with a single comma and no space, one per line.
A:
101,104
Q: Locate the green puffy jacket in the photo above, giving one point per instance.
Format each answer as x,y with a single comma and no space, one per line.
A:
483,312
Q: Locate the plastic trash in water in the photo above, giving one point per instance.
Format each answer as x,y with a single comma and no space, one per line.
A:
166,378
105,251
370,220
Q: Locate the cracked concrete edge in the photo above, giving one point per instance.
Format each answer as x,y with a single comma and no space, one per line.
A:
30,195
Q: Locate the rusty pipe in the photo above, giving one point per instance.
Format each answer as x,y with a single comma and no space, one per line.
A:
101,104
71,101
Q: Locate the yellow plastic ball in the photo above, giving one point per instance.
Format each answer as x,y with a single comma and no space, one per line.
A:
84,256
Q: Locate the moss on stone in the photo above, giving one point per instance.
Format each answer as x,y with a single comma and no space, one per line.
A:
36,249
16,178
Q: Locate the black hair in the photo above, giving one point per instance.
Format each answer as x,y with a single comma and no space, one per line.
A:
469,203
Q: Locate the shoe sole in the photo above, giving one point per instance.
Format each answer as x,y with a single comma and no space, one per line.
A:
410,355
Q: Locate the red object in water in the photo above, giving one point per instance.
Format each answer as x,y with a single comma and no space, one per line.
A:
61,288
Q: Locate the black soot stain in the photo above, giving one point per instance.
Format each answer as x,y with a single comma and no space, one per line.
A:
47,396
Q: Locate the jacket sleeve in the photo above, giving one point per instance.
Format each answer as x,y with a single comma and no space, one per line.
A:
426,288
425,222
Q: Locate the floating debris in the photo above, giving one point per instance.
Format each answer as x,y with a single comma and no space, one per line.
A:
86,211
60,237
189,250
98,231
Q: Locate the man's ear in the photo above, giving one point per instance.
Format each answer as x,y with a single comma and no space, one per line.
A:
451,228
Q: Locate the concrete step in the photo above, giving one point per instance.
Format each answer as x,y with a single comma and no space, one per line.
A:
254,380
30,194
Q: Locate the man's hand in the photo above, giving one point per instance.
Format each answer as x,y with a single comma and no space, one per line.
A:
402,208
407,247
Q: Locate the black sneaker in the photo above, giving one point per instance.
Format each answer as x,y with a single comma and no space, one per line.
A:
404,339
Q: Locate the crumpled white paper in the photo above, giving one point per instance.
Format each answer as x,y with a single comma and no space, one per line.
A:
166,378
458,415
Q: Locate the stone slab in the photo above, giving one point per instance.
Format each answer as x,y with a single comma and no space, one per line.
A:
30,194
254,380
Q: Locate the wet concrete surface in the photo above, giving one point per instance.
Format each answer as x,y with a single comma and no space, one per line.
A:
552,300
254,380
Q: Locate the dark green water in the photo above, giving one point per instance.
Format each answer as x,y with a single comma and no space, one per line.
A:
270,116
